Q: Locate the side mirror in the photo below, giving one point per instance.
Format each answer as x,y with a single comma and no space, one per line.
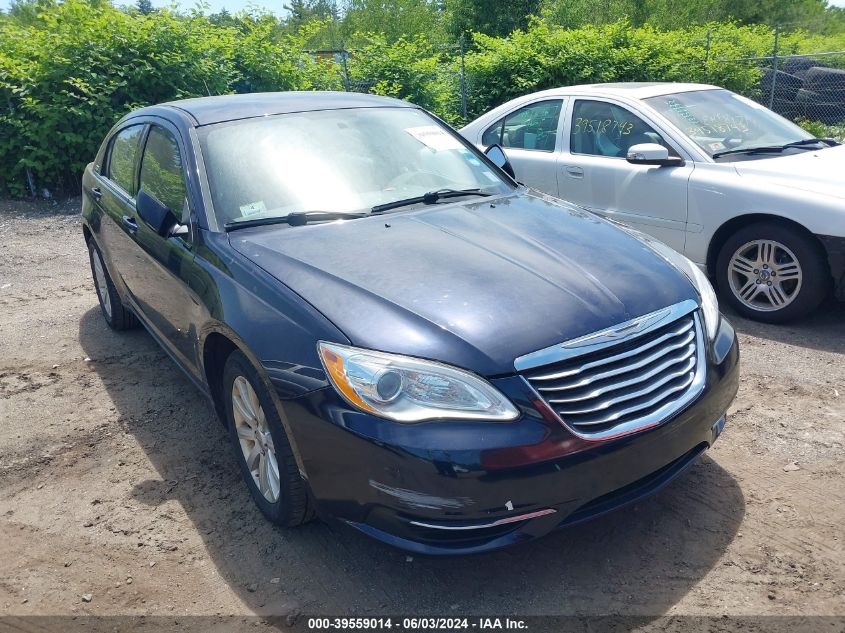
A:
498,157
652,154
158,217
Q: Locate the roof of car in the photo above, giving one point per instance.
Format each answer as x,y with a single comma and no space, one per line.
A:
208,110
631,89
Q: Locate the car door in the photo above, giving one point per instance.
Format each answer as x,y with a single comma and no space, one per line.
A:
162,263
530,136
594,171
114,196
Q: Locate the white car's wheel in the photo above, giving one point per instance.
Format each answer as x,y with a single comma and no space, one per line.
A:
772,273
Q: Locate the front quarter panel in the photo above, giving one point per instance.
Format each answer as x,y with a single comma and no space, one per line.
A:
268,321
719,194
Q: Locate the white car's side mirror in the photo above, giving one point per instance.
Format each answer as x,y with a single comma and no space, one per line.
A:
652,154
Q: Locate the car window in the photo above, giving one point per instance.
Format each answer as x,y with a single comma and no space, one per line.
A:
124,151
340,161
533,127
719,120
605,129
493,134
162,175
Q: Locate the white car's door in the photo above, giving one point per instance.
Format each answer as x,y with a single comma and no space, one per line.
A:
531,138
594,173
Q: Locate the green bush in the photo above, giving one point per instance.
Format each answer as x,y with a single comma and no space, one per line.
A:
69,70
65,80
544,57
824,130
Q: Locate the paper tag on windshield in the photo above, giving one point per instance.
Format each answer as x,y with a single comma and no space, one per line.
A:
434,137
253,208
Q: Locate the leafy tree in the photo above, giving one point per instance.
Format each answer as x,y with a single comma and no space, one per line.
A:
395,19
670,14
303,11
320,16
491,17
145,7
26,11
223,18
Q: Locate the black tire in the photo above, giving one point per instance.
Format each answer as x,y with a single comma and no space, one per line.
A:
818,107
786,109
795,65
820,79
815,284
117,316
293,505
786,85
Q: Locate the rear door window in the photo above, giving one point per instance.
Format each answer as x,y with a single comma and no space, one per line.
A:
123,158
532,127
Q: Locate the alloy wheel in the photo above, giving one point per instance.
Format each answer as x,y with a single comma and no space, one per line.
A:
255,439
765,275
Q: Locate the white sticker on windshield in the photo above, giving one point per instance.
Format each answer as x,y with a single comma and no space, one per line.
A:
434,137
253,208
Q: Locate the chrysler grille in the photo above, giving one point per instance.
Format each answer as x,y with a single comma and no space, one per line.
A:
620,386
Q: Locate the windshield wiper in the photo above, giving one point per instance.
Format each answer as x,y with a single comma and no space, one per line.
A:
772,148
297,218
808,141
429,198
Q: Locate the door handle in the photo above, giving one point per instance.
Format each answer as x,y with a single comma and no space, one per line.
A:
97,193
130,223
574,172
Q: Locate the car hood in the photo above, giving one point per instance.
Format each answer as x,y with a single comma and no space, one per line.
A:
816,171
473,284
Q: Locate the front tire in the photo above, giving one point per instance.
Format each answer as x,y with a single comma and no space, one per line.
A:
261,445
772,273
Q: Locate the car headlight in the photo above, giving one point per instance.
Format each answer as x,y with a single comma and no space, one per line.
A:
408,389
709,302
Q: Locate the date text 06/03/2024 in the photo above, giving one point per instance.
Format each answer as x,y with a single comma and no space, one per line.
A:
416,624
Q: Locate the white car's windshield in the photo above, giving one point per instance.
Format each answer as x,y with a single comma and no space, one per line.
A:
335,161
719,121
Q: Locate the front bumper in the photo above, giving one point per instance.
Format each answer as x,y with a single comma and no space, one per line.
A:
458,488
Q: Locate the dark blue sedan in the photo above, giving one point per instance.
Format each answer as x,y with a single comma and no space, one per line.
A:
396,333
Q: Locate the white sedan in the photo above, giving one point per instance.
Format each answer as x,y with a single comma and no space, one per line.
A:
754,200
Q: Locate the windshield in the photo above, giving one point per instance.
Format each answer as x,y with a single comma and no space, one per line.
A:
337,161
719,120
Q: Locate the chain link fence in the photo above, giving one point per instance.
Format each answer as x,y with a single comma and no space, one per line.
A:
450,71
808,88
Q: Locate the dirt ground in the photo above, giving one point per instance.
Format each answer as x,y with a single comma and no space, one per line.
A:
119,493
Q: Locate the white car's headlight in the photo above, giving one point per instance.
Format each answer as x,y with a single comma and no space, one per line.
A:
709,302
408,389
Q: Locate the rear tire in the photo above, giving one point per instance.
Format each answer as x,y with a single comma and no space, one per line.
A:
117,316
772,273
262,447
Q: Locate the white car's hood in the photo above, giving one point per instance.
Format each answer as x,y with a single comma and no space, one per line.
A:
816,171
